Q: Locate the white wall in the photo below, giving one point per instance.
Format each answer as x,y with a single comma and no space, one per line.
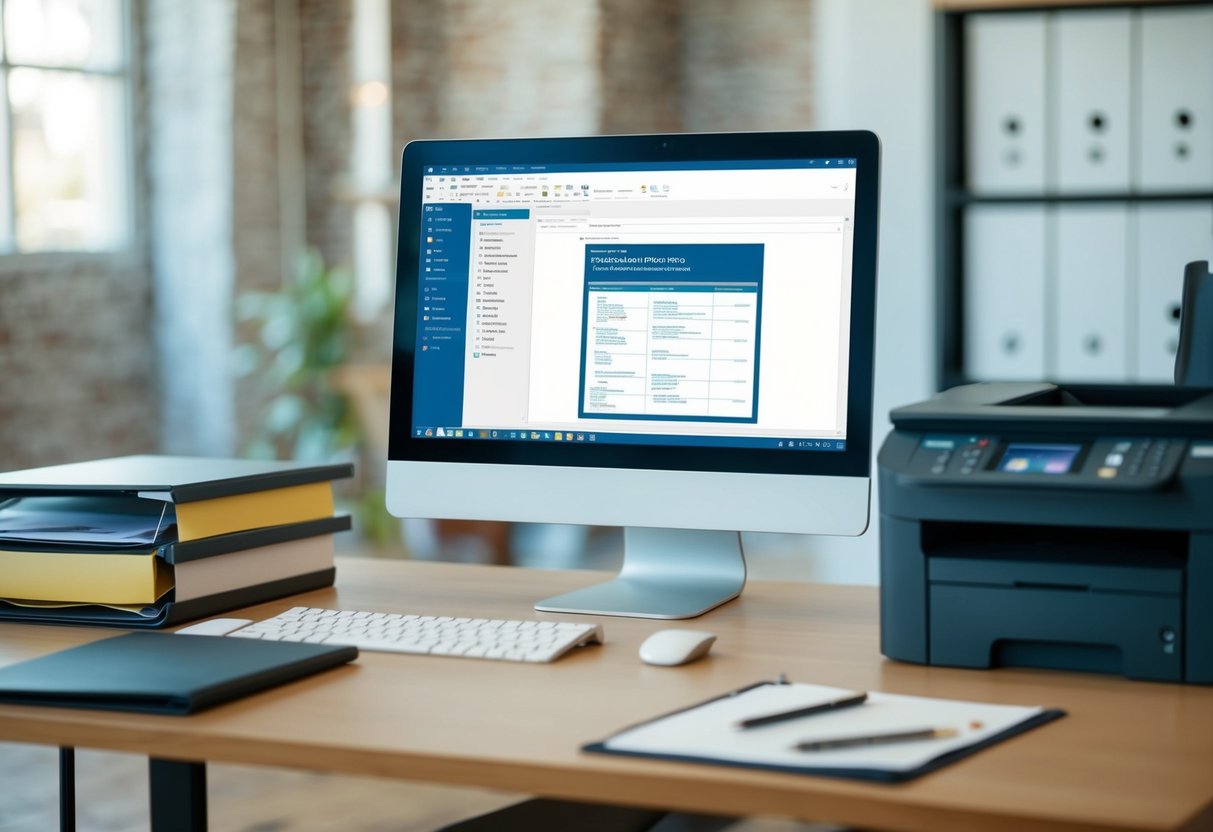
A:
874,71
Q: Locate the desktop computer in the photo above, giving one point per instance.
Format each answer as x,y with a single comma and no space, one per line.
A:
669,333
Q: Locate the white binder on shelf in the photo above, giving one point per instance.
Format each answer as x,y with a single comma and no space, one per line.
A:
1174,124
1091,274
1005,102
1090,116
1004,292
1168,236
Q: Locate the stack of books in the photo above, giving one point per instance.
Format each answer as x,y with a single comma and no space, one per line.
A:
150,541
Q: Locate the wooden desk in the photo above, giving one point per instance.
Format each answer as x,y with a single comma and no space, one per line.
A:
1131,755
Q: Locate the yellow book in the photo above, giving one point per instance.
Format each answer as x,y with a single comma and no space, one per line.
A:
194,569
84,577
254,510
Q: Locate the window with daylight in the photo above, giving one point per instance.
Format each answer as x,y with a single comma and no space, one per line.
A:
64,126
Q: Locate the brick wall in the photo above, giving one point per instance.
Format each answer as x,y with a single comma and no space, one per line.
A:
747,67
256,217
520,69
77,375
641,67
254,137
325,59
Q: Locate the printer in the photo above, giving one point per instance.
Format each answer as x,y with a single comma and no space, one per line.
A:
1038,525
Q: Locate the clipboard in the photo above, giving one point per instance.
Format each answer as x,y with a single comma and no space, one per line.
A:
707,733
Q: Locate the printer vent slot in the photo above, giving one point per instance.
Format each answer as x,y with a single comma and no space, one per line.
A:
1058,655
1049,585
1055,544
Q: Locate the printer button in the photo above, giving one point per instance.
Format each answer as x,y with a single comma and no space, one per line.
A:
1122,447
1114,460
1107,473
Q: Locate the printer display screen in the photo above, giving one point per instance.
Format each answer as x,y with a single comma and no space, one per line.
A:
1038,458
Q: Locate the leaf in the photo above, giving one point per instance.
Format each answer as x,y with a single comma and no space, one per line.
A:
284,413
246,360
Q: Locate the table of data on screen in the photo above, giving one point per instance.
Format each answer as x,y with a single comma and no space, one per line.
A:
659,343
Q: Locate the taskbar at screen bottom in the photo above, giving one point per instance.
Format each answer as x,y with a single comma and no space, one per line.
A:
513,435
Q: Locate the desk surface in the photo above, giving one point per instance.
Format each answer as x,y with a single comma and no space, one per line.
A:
1131,755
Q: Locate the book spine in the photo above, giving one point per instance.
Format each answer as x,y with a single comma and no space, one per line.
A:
237,541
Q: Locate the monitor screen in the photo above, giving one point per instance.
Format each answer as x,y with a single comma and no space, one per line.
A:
652,306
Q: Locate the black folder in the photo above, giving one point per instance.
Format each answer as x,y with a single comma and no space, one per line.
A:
162,673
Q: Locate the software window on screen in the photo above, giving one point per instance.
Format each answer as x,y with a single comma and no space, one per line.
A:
695,303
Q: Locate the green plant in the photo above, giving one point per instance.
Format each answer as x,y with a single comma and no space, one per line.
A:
302,335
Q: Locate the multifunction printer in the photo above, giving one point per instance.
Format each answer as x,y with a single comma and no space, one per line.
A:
1031,524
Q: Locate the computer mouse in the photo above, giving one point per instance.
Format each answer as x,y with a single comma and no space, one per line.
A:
674,647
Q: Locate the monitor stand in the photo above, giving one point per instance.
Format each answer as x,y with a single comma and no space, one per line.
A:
667,573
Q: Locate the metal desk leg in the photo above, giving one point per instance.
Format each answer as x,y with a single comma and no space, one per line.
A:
67,789
178,795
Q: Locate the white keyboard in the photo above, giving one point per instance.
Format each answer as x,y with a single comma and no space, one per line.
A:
473,638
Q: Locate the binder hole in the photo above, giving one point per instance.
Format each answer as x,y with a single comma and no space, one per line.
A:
1183,118
1098,122
1010,343
1095,154
1174,311
1172,346
1011,125
1181,150
1012,157
1092,344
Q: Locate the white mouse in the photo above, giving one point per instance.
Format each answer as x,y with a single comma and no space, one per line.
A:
675,647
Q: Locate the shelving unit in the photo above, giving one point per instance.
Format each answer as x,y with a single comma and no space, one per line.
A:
1052,198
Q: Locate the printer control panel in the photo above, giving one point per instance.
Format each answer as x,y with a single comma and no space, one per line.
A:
1112,462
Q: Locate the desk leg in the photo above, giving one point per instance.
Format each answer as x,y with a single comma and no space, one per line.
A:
178,795
67,789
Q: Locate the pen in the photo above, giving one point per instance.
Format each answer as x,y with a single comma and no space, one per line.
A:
877,739
770,719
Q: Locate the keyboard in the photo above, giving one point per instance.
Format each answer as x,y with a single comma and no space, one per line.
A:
471,638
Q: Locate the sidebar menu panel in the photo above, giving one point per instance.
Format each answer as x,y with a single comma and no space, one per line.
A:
442,316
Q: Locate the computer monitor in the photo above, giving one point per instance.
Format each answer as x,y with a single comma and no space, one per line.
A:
669,333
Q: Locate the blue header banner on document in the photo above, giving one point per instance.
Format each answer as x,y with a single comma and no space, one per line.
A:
695,262
442,314
671,332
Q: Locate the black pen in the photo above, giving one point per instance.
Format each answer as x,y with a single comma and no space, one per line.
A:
770,719
877,739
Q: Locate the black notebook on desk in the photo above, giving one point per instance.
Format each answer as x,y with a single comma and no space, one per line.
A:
161,673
